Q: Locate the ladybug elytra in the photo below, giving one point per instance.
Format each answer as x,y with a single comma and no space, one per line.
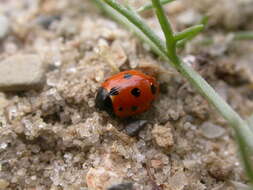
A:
127,93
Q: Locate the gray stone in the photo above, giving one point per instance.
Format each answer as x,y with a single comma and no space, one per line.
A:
4,26
211,131
21,72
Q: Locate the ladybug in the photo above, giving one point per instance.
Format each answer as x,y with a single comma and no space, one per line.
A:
127,93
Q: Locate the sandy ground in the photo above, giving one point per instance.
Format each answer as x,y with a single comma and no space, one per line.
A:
54,138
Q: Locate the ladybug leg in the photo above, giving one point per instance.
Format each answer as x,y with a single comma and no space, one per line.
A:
133,127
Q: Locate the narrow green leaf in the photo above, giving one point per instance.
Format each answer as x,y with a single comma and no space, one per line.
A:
150,6
245,35
181,43
167,29
204,20
189,32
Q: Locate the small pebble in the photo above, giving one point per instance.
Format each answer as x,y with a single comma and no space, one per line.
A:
211,131
21,72
178,181
5,26
163,136
220,169
118,54
156,164
135,127
47,20
101,178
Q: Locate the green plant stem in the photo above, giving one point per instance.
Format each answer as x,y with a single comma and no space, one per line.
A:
239,125
167,29
246,154
150,6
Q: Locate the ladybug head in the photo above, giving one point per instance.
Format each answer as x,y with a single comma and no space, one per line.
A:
103,101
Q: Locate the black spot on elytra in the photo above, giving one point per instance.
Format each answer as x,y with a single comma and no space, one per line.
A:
136,92
153,88
114,91
134,108
120,109
127,76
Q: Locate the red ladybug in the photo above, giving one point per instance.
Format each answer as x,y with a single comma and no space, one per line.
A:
127,93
